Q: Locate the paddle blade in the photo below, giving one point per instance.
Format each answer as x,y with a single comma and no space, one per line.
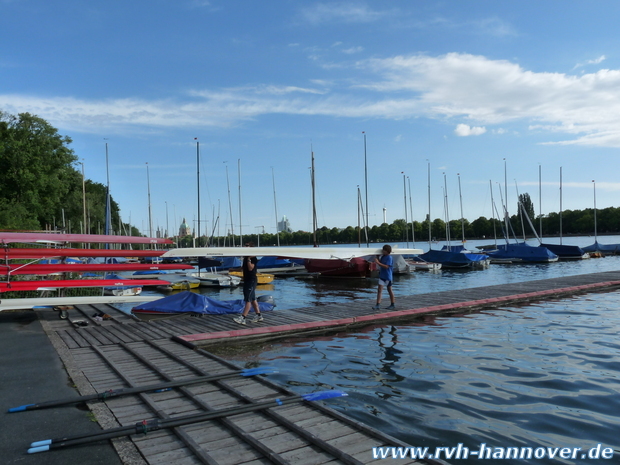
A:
322,395
34,450
20,408
46,442
258,371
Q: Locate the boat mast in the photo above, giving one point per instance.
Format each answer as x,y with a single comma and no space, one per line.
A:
411,211
366,187
314,221
108,213
429,206
198,184
406,219
493,213
275,205
232,227
148,188
594,184
240,224
560,205
359,228
462,218
445,202
540,201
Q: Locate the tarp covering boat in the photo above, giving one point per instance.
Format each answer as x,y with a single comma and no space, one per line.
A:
273,262
605,249
566,252
523,252
191,302
455,259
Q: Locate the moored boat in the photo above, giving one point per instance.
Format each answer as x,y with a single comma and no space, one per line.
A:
354,268
261,278
208,279
190,302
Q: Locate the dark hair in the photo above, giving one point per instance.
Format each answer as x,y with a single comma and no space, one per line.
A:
387,248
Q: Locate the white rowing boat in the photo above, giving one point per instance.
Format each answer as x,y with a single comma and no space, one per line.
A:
325,253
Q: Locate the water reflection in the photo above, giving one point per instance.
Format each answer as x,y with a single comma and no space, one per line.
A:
539,375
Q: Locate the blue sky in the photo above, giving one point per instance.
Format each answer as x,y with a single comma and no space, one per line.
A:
470,87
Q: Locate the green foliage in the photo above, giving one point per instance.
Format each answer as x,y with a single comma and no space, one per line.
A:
40,187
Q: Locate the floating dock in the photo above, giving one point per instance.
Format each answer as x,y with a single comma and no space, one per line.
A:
122,352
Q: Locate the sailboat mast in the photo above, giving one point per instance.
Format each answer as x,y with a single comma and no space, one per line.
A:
366,186
148,187
540,200
275,205
314,221
445,183
462,218
560,205
429,207
406,219
493,213
240,224
595,226
411,211
232,227
198,185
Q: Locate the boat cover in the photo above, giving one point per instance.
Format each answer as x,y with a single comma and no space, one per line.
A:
191,302
453,259
273,262
565,251
523,252
605,249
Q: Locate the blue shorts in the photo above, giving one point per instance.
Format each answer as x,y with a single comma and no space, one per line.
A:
385,283
249,292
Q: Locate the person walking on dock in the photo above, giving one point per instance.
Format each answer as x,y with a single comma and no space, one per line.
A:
385,262
249,289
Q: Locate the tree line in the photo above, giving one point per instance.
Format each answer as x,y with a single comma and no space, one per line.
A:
41,185
41,189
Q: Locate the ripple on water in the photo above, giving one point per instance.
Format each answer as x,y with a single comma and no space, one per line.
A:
544,375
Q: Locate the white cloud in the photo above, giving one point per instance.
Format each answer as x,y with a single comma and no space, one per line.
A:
463,130
584,109
353,50
342,12
596,61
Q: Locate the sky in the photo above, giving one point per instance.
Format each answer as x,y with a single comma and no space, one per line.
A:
479,94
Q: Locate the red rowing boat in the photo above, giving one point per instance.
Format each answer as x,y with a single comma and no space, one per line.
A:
14,253
10,237
40,269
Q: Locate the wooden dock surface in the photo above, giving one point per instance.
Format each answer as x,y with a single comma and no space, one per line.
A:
125,352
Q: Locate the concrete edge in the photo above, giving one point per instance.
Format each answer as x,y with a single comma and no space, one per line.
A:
125,448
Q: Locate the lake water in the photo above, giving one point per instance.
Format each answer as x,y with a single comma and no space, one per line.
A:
539,375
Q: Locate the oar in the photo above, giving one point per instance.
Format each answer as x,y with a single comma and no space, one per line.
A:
157,424
153,387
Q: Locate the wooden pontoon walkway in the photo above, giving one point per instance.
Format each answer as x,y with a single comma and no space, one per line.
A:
125,352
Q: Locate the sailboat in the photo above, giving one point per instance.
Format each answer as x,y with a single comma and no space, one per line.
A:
565,252
453,256
353,268
597,249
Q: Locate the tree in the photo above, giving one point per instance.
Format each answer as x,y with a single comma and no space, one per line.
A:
37,173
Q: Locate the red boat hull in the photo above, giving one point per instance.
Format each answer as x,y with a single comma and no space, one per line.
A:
8,237
39,269
68,283
12,253
355,268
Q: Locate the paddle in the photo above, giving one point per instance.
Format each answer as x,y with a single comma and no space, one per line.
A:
135,390
155,424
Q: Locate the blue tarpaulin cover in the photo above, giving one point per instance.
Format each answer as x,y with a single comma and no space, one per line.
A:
190,302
